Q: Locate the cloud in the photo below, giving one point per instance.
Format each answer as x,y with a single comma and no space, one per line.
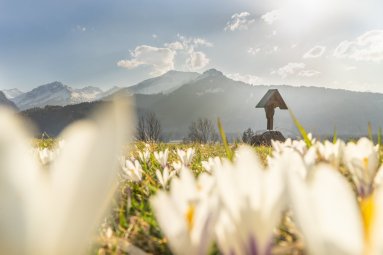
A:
271,17
160,59
316,52
197,60
246,78
367,47
239,21
81,28
308,73
188,43
289,69
253,51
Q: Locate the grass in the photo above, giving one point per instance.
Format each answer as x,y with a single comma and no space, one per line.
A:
132,219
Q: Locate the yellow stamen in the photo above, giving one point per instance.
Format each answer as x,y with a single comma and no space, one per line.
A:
189,216
367,207
365,163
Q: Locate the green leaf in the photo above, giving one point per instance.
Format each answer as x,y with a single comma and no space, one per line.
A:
334,137
229,153
370,131
380,136
301,129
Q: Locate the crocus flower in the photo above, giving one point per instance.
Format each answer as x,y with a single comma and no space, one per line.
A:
55,210
211,164
132,170
252,202
362,160
186,213
186,156
162,157
327,212
177,166
165,176
144,156
46,155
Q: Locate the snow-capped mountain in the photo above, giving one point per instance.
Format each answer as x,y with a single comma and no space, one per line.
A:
165,83
4,101
55,93
12,93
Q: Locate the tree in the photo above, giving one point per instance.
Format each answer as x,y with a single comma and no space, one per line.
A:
202,131
247,136
149,127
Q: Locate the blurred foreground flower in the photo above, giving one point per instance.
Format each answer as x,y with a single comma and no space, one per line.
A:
331,218
186,214
362,160
56,211
253,199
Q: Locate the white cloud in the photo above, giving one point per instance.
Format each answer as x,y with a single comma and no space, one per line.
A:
367,47
160,59
271,17
239,21
154,36
188,43
81,28
289,69
308,73
246,78
253,51
175,45
197,60
316,52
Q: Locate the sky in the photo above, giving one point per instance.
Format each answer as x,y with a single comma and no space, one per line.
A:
326,43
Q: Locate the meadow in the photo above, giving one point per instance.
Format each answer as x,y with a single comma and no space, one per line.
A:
146,169
301,196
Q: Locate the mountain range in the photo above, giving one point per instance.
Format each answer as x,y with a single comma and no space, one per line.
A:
178,98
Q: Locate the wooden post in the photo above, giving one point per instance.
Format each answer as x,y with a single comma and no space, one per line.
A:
270,116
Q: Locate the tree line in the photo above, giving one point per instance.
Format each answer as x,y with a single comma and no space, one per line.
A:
149,128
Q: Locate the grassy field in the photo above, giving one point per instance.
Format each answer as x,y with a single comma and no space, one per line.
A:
131,227
132,220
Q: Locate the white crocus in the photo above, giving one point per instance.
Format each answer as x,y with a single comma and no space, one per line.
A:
252,200
144,156
211,164
177,166
56,210
289,144
162,157
327,212
165,176
186,156
362,160
46,156
325,152
186,214
132,170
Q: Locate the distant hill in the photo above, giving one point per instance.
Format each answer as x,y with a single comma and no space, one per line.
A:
53,119
58,94
4,101
164,84
12,93
213,95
